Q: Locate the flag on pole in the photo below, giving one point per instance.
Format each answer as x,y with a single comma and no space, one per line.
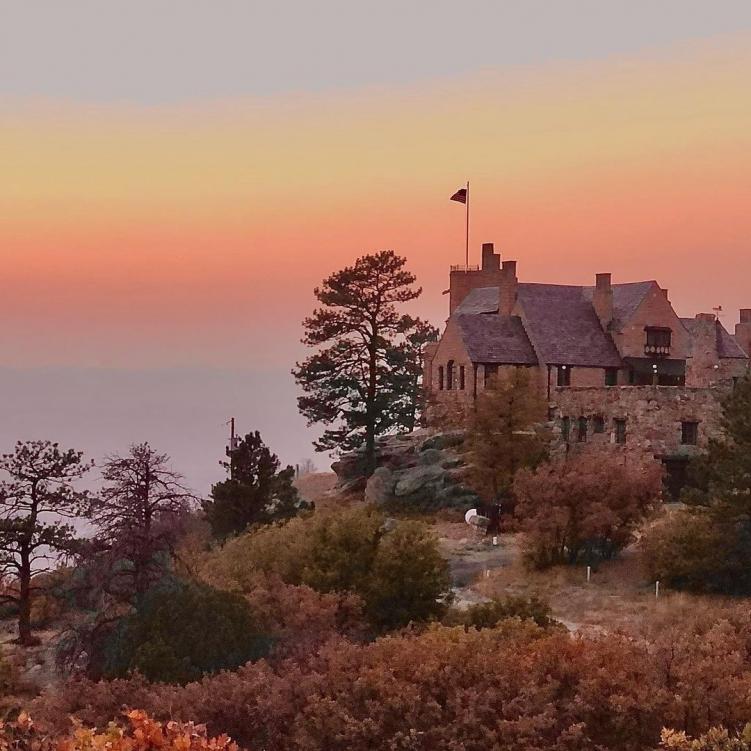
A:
460,196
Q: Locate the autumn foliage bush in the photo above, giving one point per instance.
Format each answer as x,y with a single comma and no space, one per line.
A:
398,573
490,614
516,686
140,734
584,509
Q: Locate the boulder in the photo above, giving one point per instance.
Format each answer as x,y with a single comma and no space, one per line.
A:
380,486
421,470
441,441
349,466
416,478
431,456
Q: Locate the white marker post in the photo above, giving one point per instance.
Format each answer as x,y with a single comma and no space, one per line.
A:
589,573
657,590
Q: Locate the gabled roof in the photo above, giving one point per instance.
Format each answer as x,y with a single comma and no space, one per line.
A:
626,299
490,338
727,346
564,328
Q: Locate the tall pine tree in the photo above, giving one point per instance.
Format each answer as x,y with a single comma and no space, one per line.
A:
360,382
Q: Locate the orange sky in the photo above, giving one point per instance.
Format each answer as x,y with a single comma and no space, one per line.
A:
193,234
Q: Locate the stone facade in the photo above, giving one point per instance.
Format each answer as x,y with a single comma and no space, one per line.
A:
654,417
614,361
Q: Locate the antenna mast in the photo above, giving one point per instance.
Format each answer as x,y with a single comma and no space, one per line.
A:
230,450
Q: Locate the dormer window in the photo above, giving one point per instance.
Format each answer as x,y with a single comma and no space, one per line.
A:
658,340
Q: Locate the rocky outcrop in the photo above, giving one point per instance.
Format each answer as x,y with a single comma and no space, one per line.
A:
421,470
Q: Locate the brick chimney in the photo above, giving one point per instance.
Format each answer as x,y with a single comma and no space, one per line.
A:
491,261
743,331
603,299
507,288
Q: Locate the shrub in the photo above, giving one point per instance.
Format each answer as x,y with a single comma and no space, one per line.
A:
490,614
715,739
408,578
299,619
515,686
690,549
584,509
398,572
141,734
180,632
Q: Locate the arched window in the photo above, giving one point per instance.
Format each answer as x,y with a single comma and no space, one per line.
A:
440,377
450,375
461,378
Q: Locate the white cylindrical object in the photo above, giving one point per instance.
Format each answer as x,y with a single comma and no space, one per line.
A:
657,589
589,573
495,541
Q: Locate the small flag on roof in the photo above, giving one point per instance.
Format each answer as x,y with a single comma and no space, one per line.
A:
460,195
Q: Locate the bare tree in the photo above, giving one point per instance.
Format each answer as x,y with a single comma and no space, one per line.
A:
137,515
306,467
32,535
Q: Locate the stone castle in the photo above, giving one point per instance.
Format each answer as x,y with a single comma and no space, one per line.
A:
614,361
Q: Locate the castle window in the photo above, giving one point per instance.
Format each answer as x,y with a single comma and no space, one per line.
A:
461,377
565,428
450,375
611,376
582,434
564,375
658,340
598,424
440,377
620,430
690,433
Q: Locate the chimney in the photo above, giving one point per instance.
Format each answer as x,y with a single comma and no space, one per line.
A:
603,299
490,260
507,288
743,331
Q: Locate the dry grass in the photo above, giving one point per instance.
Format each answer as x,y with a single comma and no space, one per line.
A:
320,487
617,596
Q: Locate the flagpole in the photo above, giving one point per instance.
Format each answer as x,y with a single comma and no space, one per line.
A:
466,241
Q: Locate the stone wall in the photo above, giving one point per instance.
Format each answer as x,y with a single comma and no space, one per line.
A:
705,367
653,415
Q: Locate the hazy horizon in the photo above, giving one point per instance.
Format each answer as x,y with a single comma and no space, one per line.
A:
179,176
179,411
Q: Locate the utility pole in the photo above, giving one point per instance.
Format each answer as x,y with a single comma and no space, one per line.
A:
232,446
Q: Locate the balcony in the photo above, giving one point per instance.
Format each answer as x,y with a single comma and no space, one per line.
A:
657,350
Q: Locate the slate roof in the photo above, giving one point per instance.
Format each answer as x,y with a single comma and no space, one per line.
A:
480,300
558,326
626,299
564,328
491,338
727,346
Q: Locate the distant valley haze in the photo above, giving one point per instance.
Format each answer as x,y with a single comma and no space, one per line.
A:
177,177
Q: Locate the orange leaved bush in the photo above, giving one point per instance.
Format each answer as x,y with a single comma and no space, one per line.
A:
584,509
140,734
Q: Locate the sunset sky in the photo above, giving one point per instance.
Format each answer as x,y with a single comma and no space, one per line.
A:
177,176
